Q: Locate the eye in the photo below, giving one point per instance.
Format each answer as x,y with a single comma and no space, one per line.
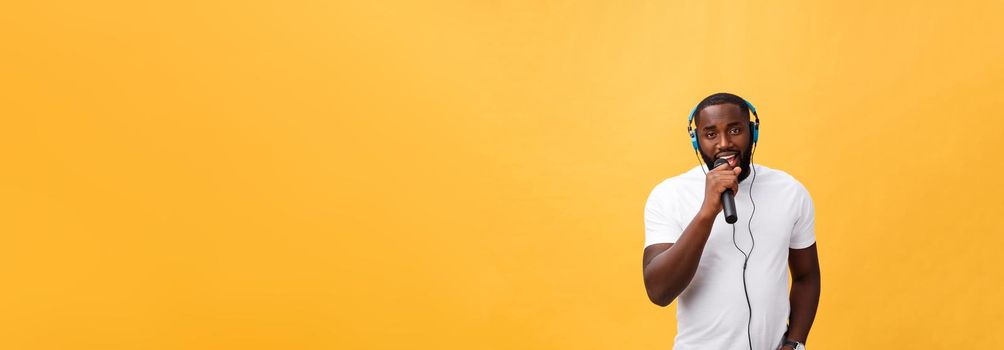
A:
736,131
711,135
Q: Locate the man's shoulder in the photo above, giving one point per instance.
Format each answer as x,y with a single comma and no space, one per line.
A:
779,177
669,189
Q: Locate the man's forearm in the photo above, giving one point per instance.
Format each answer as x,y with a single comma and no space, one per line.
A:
804,299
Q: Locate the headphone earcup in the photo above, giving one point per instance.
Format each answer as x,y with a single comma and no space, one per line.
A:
756,131
693,140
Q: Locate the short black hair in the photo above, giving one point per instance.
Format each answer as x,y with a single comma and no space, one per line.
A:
721,98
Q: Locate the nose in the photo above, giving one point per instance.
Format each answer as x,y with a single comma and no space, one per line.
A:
725,142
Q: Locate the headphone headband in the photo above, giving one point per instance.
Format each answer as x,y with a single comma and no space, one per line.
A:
693,112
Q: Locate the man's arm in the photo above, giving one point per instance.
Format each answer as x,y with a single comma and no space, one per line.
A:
669,267
804,298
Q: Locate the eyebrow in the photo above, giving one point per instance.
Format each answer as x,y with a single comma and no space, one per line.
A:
712,127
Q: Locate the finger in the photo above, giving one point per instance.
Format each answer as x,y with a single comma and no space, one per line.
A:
726,175
724,187
737,170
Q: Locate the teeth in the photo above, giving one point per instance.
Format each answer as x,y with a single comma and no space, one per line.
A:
729,156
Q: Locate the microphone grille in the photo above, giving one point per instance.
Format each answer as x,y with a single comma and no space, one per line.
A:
719,162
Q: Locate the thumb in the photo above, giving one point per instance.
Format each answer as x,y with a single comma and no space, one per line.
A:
737,170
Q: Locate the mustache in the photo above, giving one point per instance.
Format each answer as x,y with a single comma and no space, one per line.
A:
744,157
738,152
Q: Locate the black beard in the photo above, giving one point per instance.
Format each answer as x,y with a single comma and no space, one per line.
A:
744,162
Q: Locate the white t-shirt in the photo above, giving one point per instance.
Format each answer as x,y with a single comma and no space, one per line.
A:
712,313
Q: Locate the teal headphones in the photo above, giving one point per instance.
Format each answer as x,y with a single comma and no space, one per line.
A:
753,125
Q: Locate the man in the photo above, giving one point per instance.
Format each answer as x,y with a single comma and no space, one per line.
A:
732,279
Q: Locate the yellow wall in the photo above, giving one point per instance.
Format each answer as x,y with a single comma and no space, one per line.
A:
471,174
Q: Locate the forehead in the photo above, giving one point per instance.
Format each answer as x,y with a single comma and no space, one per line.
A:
720,114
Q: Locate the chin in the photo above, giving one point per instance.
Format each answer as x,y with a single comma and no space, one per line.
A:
745,165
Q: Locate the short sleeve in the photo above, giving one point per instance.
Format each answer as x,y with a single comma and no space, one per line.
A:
661,221
803,233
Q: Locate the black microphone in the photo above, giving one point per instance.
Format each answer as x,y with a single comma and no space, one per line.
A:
728,198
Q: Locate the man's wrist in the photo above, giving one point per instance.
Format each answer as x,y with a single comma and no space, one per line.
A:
792,344
705,214
789,339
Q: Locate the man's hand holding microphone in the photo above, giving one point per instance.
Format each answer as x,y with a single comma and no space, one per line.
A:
719,181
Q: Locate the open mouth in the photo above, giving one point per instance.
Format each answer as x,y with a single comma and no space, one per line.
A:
732,157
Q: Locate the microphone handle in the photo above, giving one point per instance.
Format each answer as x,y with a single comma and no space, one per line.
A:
729,206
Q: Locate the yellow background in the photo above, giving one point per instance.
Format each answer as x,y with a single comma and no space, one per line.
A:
472,174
